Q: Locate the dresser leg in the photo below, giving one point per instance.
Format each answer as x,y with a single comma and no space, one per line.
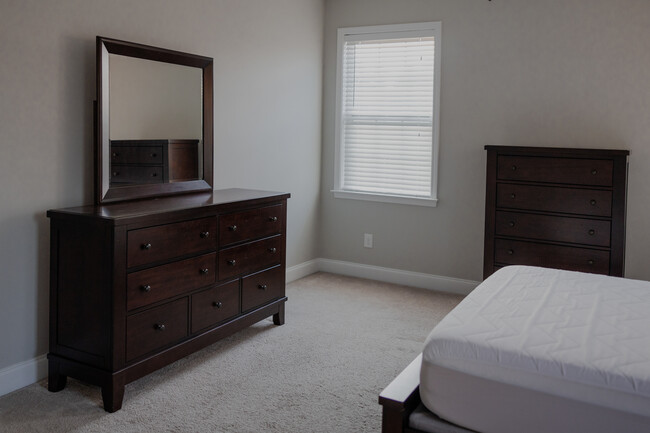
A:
278,318
55,380
113,394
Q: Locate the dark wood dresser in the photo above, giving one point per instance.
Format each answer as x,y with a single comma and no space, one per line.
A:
555,207
137,285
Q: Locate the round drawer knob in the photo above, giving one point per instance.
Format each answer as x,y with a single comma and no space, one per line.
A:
592,202
232,228
153,155
513,195
146,288
154,174
511,252
511,223
594,172
159,326
273,219
116,173
591,262
204,235
272,250
204,271
216,304
262,286
115,155
232,262
592,232
146,246
514,168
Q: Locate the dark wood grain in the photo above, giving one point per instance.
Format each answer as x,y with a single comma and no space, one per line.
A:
561,207
400,398
103,321
262,287
255,223
215,305
245,258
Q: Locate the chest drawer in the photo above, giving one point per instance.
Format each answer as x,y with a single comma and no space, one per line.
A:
162,282
136,174
262,287
509,252
553,228
215,305
156,328
136,155
164,242
555,199
251,224
577,171
250,257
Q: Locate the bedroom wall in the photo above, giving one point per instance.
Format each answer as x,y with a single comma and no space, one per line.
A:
268,65
517,72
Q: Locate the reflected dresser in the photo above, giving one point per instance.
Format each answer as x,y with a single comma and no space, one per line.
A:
137,285
555,207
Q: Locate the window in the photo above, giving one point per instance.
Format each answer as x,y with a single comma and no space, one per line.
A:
388,93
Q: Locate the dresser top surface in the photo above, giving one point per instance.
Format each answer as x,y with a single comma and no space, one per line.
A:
557,151
133,209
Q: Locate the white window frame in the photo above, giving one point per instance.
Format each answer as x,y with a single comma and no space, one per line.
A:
387,32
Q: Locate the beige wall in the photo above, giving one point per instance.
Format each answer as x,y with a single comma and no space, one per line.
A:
267,62
569,73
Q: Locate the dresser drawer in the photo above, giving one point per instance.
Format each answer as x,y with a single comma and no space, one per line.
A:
577,171
251,224
250,257
162,282
262,287
155,328
136,155
553,228
215,305
164,242
555,199
136,174
508,252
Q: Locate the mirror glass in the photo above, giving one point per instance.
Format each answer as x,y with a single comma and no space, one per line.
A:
154,122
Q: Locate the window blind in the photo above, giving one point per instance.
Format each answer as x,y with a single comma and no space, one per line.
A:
387,116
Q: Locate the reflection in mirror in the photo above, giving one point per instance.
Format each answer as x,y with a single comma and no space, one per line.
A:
155,121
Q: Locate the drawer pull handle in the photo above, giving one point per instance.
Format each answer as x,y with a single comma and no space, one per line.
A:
146,246
591,262
511,223
204,235
115,154
146,288
272,250
594,172
273,219
514,168
204,271
232,228
116,173
511,252
217,304
513,195
232,262
262,286
592,202
592,232
154,174
153,155
159,326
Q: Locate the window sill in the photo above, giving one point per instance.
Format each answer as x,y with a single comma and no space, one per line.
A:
385,198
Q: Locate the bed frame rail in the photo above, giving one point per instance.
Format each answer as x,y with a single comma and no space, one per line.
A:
400,398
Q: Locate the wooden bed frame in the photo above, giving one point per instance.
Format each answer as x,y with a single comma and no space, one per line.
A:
400,398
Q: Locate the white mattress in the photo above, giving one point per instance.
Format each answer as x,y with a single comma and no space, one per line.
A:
567,350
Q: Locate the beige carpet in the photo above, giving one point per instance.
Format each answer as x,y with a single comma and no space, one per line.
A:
344,340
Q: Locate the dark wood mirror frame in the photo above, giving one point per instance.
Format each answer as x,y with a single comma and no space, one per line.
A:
104,192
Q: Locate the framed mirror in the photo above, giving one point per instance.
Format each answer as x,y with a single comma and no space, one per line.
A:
154,122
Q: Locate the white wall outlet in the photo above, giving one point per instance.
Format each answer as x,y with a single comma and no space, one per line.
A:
367,240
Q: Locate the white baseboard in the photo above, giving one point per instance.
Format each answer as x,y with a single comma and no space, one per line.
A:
22,374
27,372
397,276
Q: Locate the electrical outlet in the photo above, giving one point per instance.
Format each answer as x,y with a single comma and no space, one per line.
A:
367,240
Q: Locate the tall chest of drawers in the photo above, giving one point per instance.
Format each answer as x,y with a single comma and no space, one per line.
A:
137,285
555,207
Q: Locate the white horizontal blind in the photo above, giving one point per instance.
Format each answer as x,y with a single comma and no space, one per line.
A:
387,116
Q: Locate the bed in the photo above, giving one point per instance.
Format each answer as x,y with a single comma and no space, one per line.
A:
536,350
